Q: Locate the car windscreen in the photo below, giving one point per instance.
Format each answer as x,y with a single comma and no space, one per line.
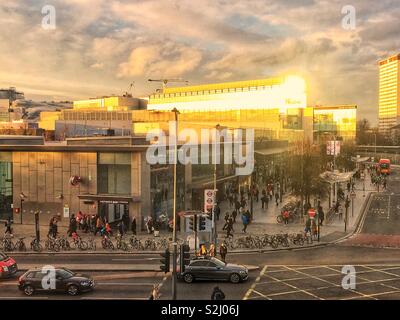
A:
219,263
3,257
65,274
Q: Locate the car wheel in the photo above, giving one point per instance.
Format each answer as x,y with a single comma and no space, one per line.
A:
28,290
188,278
72,290
234,278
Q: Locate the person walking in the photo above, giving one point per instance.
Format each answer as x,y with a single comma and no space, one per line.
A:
72,225
54,228
229,228
133,226
321,215
121,228
217,294
211,251
234,215
285,215
277,198
7,225
155,293
50,233
99,225
245,221
223,250
217,211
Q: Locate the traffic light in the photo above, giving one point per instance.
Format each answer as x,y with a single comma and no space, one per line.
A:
165,261
184,257
202,223
193,223
210,213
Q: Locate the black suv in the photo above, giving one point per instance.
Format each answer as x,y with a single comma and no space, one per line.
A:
65,281
210,268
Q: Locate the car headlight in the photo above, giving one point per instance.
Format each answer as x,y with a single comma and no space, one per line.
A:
243,271
5,268
85,283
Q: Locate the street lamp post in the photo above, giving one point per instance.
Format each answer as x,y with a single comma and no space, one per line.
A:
22,198
214,220
174,238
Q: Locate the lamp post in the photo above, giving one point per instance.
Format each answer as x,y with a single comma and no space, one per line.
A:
22,199
174,239
214,222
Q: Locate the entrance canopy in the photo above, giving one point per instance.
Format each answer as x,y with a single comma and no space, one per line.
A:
108,197
334,177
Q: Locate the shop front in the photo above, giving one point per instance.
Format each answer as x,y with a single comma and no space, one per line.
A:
6,186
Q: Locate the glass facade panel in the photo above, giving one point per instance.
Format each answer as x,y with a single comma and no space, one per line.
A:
114,173
6,186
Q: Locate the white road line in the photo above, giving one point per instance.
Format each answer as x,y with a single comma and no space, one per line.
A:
251,289
331,283
388,216
124,284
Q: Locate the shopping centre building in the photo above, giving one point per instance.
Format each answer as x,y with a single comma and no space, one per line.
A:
98,162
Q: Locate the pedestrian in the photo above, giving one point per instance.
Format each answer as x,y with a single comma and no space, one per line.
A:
217,211
121,228
321,215
50,233
340,211
384,184
285,215
72,225
245,221
217,294
203,250
229,228
277,198
226,218
234,215
54,228
348,186
307,228
107,229
223,250
149,225
7,225
211,251
155,293
99,225
133,225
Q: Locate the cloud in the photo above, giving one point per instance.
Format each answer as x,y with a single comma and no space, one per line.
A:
161,61
99,45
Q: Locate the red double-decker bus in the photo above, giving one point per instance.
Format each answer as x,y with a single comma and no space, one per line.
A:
384,166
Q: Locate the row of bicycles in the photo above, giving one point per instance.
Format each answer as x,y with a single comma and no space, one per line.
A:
51,244
274,241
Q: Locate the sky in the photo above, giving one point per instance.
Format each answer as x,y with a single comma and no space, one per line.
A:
99,47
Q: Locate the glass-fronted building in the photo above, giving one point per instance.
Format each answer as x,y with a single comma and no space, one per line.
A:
339,121
6,185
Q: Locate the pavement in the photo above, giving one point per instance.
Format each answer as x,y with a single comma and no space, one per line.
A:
264,222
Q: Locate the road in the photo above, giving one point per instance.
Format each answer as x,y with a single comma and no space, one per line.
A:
303,273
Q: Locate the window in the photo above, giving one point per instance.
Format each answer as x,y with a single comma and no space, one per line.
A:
199,264
114,173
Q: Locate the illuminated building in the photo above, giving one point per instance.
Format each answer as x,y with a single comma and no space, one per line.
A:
275,107
389,95
340,121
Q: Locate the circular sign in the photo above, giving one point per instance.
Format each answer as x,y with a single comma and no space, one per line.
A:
311,213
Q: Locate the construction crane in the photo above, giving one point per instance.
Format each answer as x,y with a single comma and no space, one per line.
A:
129,92
165,81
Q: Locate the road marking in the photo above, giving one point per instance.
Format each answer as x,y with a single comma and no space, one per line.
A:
251,289
124,284
329,282
133,259
388,215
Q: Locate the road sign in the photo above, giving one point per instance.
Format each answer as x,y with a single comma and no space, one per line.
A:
311,213
333,148
209,199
